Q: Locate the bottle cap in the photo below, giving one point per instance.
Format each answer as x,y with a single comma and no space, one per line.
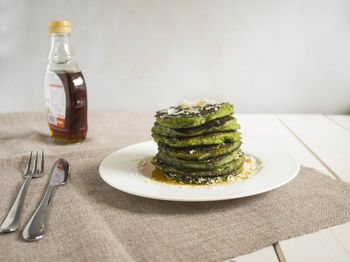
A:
59,27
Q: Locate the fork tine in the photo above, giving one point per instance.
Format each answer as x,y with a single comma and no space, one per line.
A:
41,169
35,163
26,171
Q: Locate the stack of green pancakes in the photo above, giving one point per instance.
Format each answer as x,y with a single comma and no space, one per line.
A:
198,144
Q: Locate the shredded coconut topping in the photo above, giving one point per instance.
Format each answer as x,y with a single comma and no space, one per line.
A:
190,107
197,103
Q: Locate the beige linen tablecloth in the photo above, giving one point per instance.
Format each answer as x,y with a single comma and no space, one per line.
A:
91,221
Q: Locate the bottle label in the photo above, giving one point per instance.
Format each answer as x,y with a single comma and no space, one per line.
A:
55,99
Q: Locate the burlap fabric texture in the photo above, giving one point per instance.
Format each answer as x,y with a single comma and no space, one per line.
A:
91,221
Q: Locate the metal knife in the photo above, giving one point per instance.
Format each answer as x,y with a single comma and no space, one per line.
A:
37,225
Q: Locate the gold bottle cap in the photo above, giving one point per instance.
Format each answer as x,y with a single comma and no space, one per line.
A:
59,27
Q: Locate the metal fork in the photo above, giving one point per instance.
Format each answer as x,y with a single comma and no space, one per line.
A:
11,222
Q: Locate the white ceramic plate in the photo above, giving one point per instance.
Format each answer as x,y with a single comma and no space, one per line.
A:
120,170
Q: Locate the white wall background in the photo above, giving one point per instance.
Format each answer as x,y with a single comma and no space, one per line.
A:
264,56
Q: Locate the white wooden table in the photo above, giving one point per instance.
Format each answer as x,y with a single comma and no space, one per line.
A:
318,141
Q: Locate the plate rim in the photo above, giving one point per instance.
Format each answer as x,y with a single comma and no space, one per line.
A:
219,198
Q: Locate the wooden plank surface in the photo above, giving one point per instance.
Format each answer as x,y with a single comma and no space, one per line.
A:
332,244
329,141
342,120
268,127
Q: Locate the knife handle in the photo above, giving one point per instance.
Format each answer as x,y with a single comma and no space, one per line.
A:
37,225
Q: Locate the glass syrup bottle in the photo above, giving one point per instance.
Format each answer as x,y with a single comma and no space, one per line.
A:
65,89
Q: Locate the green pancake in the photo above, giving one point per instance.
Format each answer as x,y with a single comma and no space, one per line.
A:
200,152
227,123
203,180
198,142
210,139
220,171
178,117
210,163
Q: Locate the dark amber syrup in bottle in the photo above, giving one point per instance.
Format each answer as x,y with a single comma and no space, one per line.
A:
75,124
